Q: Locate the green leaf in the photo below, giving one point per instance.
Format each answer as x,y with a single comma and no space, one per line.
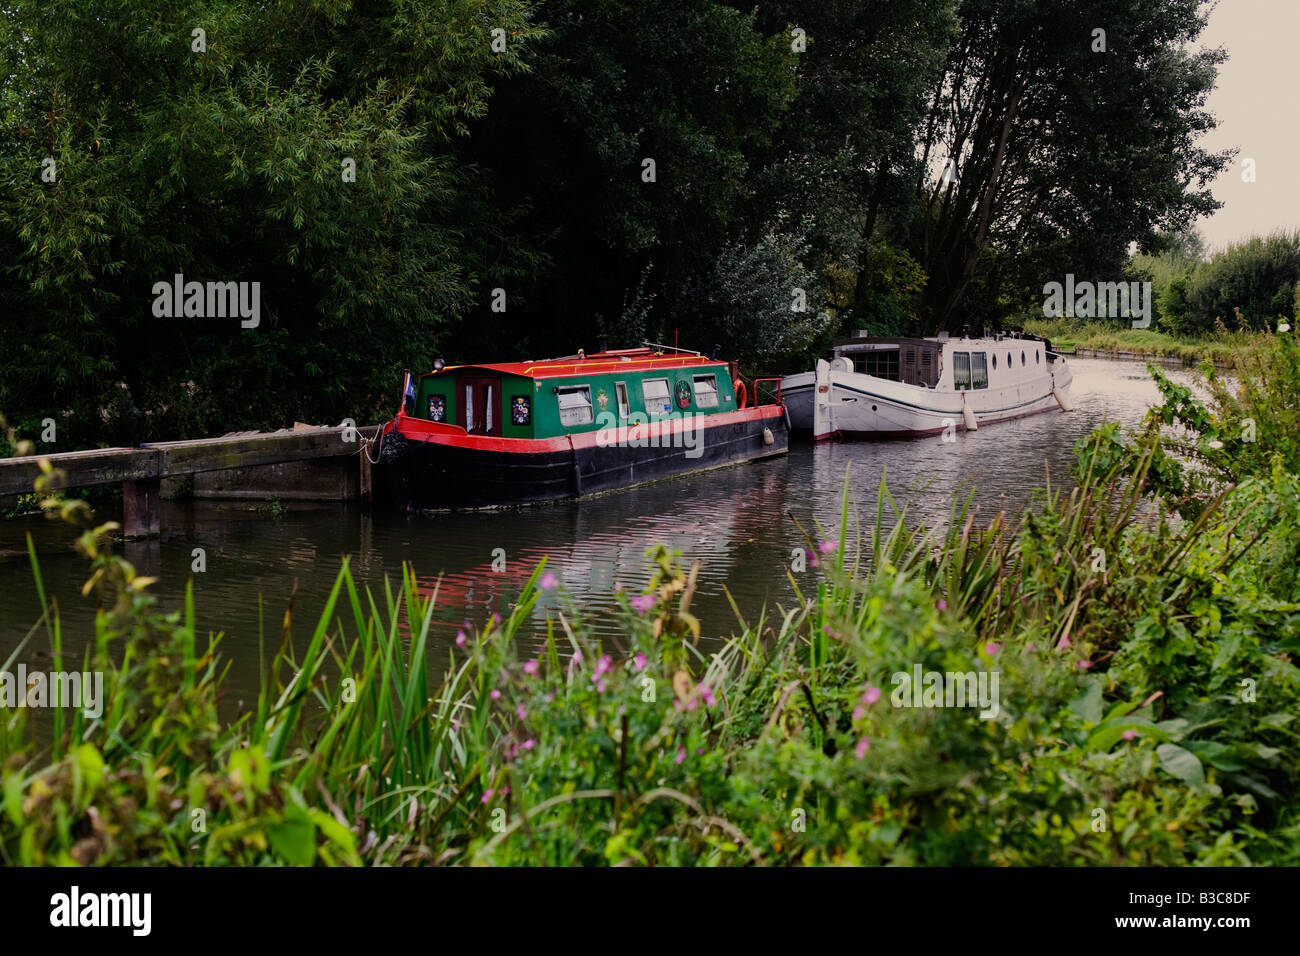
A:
1183,764
294,838
1218,755
13,784
1088,704
91,764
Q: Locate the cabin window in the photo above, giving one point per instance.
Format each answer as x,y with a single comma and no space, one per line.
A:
488,401
469,408
706,391
910,357
1035,356
437,408
995,362
979,370
961,370
1008,360
620,392
657,400
521,410
882,363
1022,358
575,405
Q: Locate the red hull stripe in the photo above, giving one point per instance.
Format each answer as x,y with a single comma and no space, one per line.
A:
418,429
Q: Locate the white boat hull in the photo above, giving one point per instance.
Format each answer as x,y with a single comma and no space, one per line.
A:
835,403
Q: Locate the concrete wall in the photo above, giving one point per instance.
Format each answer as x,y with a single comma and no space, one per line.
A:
328,479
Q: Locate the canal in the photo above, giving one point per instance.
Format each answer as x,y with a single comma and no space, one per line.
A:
733,521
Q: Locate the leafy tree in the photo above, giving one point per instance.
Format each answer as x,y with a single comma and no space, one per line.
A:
762,300
692,87
1248,285
214,140
842,164
1066,146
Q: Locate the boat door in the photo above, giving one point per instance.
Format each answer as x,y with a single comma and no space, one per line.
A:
479,405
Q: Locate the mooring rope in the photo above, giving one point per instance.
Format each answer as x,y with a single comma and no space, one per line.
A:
367,442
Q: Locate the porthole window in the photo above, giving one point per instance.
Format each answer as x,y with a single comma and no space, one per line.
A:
1008,360
995,362
1022,358
1036,360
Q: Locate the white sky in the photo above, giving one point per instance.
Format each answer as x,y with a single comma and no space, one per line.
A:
1256,102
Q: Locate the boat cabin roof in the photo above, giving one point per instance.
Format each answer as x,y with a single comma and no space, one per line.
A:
624,360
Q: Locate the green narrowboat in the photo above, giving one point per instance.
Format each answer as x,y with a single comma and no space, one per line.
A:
473,436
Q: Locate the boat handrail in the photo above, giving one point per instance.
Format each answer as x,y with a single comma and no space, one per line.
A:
758,381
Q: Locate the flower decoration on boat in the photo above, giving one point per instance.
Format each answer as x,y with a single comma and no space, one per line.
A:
437,408
602,399
521,410
683,391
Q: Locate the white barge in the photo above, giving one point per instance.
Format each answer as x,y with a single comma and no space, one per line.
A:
899,387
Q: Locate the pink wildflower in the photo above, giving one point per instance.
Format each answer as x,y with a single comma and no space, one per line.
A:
861,749
548,581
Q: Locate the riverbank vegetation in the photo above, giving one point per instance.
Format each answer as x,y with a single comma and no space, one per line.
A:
1137,631
1222,348
1248,286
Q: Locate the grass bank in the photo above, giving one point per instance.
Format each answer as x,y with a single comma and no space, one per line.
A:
1225,348
1095,682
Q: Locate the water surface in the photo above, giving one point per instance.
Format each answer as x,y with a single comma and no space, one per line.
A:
733,521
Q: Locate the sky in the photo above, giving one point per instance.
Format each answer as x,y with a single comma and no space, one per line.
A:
1256,104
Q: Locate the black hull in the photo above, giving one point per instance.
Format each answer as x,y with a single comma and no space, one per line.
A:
426,475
